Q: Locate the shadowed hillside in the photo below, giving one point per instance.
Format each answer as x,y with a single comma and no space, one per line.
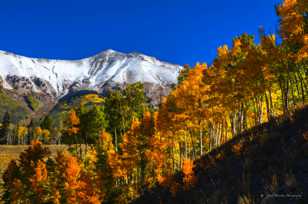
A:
267,164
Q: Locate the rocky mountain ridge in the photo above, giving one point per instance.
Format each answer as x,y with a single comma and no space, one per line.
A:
105,70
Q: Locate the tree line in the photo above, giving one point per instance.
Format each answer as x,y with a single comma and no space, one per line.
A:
119,145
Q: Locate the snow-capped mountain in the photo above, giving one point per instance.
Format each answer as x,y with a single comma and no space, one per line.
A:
108,68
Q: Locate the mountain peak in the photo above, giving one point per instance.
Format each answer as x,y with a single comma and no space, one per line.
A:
108,67
108,51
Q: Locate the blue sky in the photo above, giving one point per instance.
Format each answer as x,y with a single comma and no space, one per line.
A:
178,31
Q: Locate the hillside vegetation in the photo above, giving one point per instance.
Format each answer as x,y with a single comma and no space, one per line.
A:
8,103
23,107
237,118
266,164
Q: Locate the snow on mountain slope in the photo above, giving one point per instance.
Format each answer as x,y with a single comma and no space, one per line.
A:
55,77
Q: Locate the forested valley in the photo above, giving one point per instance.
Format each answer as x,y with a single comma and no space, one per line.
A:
230,132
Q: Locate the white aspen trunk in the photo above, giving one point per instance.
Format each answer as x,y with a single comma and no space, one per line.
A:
201,142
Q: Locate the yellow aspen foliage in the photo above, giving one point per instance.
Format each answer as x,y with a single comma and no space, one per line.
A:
156,157
129,146
106,142
113,159
91,156
236,46
91,98
160,179
223,51
248,84
22,131
38,131
303,52
118,169
41,134
135,124
56,197
45,134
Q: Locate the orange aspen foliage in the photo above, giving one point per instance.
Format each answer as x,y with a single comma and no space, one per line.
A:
155,155
129,146
77,186
113,159
73,117
28,175
223,51
236,46
39,179
187,167
35,144
189,176
292,24
305,135
70,170
147,120
174,187
74,123
237,148
40,171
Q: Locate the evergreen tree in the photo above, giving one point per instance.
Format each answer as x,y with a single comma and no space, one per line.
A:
14,136
121,106
47,123
5,128
30,134
92,123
